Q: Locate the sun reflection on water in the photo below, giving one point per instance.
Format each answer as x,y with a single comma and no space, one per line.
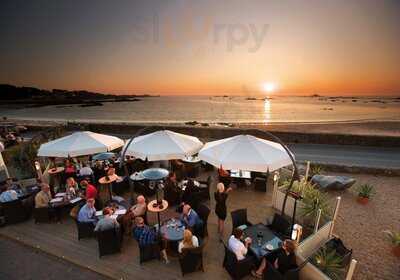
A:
267,110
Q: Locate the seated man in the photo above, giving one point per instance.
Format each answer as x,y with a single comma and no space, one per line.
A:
107,222
42,198
139,209
190,218
145,235
285,259
8,194
91,191
86,171
87,214
13,185
236,245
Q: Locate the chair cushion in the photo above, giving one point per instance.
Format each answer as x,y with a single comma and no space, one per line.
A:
280,224
333,182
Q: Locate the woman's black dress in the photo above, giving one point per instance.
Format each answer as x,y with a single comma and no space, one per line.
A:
220,207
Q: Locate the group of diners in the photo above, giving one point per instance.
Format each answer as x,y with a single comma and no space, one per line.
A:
148,235
16,201
90,169
65,196
133,222
282,259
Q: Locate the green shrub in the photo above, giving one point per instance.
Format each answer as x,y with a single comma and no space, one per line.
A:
366,190
393,237
329,263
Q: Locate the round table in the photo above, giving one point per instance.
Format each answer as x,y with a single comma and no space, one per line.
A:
183,184
137,176
55,170
107,181
152,206
191,159
172,230
192,166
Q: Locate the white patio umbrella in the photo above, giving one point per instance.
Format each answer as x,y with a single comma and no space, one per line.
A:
163,145
245,152
80,144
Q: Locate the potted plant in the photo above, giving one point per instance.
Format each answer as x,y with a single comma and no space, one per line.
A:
394,238
315,169
365,192
329,262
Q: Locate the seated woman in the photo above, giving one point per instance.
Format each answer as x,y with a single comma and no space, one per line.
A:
189,241
188,195
98,170
71,187
111,172
285,259
69,170
172,177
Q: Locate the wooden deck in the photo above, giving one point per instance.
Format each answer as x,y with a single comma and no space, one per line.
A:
61,240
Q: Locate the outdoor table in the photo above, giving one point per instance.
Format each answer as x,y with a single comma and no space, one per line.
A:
55,173
137,176
61,201
107,182
119,210
241,174
152,206
183,184
192,166
172,230
262,237
240,177
191,159
27,192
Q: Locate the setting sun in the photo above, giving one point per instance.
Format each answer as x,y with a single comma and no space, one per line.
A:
269,87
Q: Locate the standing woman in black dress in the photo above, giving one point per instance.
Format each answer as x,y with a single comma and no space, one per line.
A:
220,207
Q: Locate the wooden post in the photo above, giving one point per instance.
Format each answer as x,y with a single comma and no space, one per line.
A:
338,199
307,171
316,225
352,267
275,190
4,166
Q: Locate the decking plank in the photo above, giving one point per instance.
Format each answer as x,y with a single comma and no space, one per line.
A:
61,240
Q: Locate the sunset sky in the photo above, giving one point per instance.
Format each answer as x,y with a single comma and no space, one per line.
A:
203,47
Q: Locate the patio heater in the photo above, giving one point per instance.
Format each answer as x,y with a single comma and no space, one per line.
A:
156,175
123,152
296,197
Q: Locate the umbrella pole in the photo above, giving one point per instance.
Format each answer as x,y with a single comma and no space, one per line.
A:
138,133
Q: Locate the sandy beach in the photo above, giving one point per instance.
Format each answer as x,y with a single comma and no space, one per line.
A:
361,226
361,128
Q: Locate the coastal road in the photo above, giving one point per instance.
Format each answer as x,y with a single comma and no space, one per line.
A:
348,155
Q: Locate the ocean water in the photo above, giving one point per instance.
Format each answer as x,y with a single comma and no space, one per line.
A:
213,109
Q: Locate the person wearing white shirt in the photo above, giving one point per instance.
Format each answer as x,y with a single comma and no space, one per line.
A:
189,241
86,171
237,246
8,195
